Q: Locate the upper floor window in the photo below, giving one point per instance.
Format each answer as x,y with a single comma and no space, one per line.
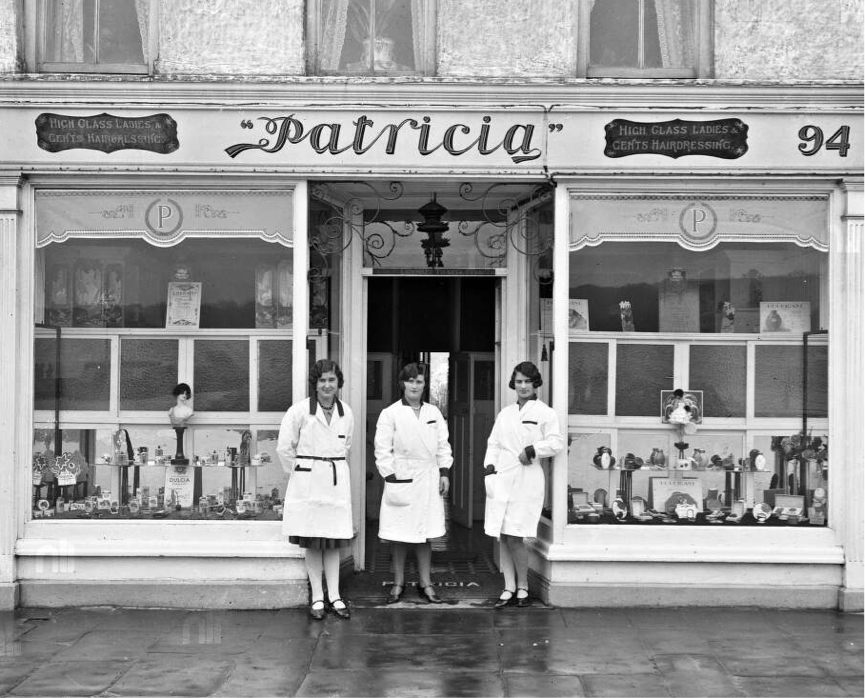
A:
645,38
93,36
371,37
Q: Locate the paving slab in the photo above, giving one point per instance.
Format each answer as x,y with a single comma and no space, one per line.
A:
79,678
177,675
626,686
408,684
430,651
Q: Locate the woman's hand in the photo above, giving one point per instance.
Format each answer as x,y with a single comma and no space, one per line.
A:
524,459
444,485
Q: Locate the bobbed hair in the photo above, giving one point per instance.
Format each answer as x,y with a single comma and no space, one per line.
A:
530,371
182,389
319,368
412,371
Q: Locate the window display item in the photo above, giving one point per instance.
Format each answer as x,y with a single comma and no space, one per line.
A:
658,458
762,512
604,459
817,513
627,315
179,416
788,505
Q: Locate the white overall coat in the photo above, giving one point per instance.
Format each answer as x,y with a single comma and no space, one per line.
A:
412,448
318,498
515,492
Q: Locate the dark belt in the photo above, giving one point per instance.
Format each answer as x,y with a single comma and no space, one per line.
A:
332,462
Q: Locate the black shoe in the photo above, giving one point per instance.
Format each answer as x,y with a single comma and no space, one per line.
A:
341,612
524,601
501,602
316,613
394,597
428,594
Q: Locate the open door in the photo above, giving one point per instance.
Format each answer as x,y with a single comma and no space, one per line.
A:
471,416
379,394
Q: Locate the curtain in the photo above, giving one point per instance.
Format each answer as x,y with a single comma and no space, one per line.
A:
417,32
67,35
675,34
142,10
334,17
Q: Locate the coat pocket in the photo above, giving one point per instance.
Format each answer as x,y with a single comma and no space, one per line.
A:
490,482
399,493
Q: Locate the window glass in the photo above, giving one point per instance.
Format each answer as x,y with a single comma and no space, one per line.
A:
587,378
742,459
661,287
779,376
274,375
95,34
720,372
642,34
642,372
245,283
85,371
148,372
370,36
221,375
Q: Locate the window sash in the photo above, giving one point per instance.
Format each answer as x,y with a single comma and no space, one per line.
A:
44,62
703,48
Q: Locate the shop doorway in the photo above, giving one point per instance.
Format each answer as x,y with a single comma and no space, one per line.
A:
450,323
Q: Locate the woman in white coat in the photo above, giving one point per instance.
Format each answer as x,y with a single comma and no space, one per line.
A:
413,456
313,447
523,433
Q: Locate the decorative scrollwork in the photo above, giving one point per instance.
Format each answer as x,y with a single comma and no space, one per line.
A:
524,223
521,222
359,215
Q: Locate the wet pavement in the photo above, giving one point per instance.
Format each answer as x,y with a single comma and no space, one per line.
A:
432,651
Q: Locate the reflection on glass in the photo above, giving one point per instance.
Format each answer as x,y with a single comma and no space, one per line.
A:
642,34
348,45
671,289
246,283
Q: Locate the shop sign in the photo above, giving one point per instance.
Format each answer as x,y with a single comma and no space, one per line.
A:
179,484
106,132
721,138
421,134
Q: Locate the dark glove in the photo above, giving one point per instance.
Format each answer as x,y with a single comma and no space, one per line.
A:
391,478
489,470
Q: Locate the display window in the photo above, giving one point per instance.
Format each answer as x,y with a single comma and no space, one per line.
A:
698,362
125,315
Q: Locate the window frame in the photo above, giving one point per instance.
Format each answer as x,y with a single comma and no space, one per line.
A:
36,14
428,51
704,13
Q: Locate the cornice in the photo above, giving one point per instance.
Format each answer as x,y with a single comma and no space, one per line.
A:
243,91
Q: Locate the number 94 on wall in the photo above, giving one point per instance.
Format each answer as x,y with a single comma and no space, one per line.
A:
812,139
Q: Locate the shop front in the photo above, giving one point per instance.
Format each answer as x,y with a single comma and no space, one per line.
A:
688,278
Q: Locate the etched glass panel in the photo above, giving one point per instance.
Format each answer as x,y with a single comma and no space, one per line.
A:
588,375
720,372
642,372
221,376
274,375
148,373
85,373
778,377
